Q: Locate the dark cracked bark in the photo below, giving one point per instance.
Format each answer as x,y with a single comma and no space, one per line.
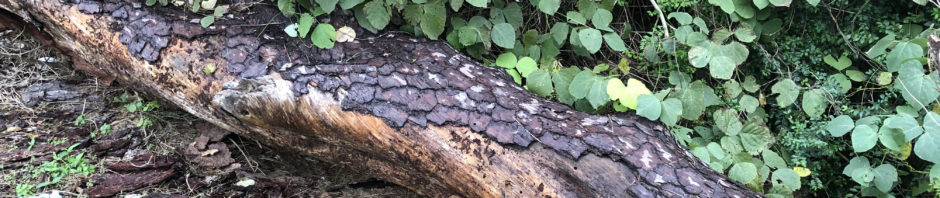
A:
407,110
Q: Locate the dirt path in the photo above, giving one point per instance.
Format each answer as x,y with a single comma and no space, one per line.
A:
65,135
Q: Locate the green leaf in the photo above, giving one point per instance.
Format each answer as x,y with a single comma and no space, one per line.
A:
721,67
601,20
539,82
905,123
840,64
901,53
304,24
698,57
813,2
787,90
891,138
917,89
562,79
761,4
323,36
885,176
435,15
781,3
787,177
598,94
863,138
526,66
839,126
695,99
377,14
750,84
348,4
839,82
743,172
549,6
614,42
515,76
772,159
560,32
727,121
581,84
681,17
749,103
648,106
455,5
860,170
727,6
935,171
732,89
929,143
856,75
745,33
814,102
504,35
591,39
467,35
672,109
478,3
327,5
575,17
506,60
879,48
744,9
207,21
755,137
291,30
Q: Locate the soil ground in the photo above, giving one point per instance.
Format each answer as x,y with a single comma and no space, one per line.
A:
63,134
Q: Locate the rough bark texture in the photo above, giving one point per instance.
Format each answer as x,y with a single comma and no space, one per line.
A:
409,111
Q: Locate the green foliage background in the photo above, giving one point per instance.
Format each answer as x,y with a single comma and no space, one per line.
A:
791,97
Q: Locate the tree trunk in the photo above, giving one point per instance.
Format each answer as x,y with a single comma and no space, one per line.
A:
410,111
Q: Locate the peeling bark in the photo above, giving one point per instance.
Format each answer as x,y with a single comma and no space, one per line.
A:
410,111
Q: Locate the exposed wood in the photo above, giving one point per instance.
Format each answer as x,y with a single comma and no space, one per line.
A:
406,110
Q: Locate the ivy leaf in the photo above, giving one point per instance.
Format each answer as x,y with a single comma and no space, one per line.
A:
614,42
732,89
698,57
467,35
648,106
721,67
727,6
929,143
935,172
581,84
801,171
304,24
207,21
601,20
575,17
526,66
562,79
863,138
781,3
749,103
755,137
839,126
787,90
787,177
323,36
917,89
813,2
695,99
506,60
540,83
727,121
750,84
860,170
291,30
891,138
840,64
856,75
635,88
879,48
761,4
598,94
672,109
455,5
515,76
905,123
591,39
884,78
504,35
348,4
377,14
839,82
885,176
743,172
549,6
814,102
745,33
681,17
478,3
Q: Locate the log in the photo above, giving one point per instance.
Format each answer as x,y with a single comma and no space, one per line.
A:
410,111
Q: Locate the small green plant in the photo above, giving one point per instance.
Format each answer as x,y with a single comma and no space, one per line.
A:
80,120
105,129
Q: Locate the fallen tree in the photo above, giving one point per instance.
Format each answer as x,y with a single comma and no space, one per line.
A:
409,111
